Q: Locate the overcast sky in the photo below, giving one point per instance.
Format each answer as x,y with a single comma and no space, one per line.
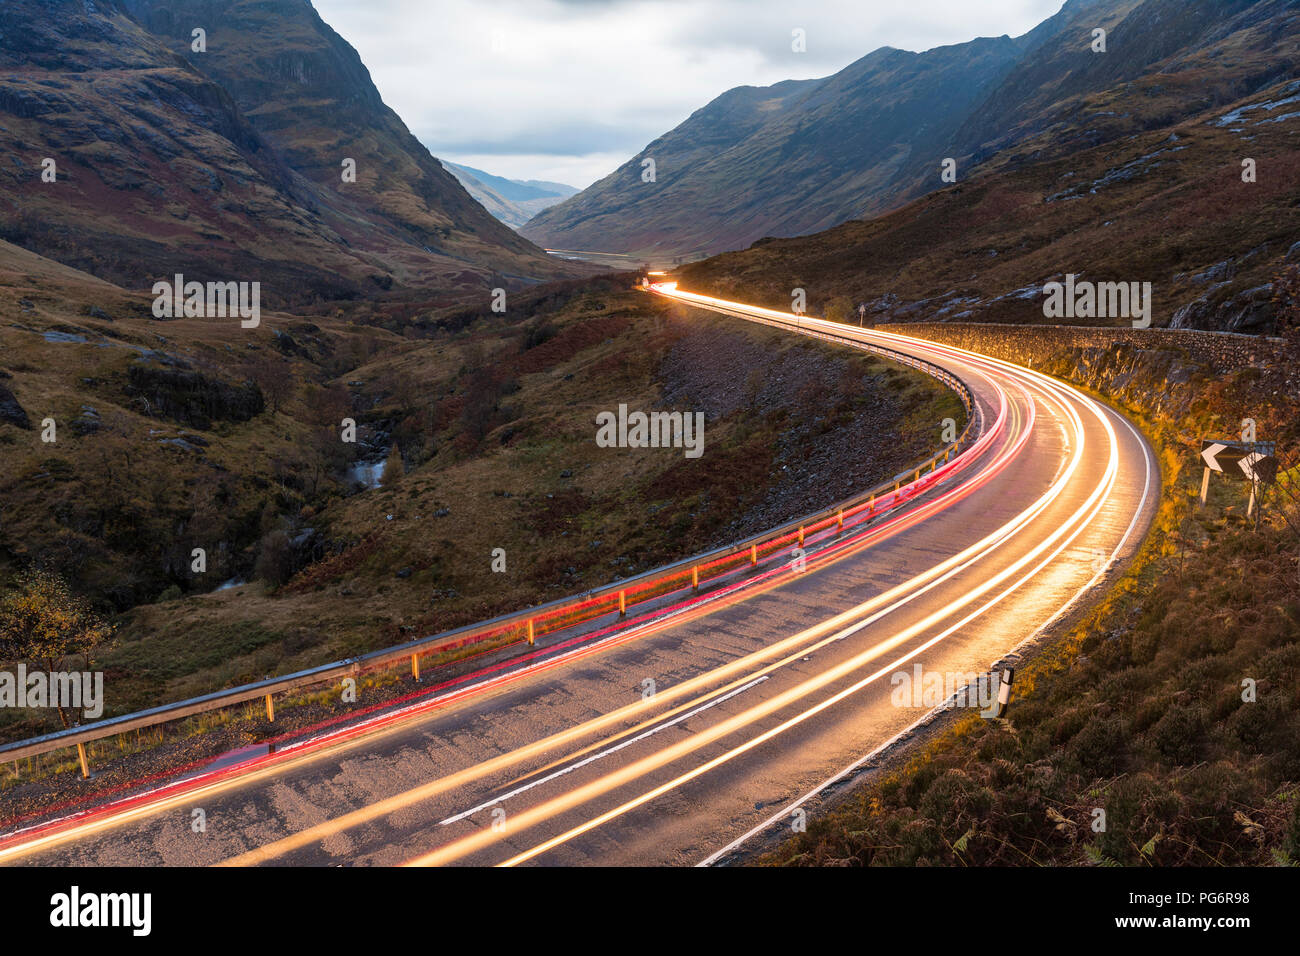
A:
567,90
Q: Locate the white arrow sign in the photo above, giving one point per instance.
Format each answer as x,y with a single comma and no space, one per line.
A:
1248,465
1210,455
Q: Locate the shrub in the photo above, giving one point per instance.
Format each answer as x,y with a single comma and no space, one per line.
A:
275,559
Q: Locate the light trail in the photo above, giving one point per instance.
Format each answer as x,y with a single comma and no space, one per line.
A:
143,806
795,646
595,789
299,753
866,758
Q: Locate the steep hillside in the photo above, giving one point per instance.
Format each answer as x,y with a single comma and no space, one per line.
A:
1167,207
799,157
786,159
226,164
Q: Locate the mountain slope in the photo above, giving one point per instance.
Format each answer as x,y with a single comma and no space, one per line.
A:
226,165
799,157
1167,206
791,158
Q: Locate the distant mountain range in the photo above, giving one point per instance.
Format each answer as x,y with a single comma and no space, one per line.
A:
513,201
802,156
229,161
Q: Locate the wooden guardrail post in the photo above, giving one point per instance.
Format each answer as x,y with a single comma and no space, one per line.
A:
839,522
695,577
801,536
85,764
622,603
753,555
270,709
415,666
532,633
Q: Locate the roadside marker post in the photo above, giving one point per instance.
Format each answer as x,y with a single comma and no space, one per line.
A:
1004,690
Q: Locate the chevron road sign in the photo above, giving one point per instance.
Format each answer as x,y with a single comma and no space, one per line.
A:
1241,461
1255,462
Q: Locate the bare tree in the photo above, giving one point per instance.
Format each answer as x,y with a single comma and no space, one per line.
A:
275,378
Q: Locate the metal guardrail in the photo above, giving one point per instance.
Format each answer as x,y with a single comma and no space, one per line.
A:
561,613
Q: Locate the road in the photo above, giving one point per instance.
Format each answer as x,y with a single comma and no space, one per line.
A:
691,732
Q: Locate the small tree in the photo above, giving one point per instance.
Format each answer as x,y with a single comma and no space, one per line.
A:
275,559
275,378
393,467
43,622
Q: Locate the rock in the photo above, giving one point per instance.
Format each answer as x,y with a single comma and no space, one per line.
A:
87,423
190,398
11,413
405,572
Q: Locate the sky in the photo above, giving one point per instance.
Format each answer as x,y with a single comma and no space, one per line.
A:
568,90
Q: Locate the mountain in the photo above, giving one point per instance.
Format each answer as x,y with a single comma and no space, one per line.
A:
226,164
513,201
1167,206
516,190
799,157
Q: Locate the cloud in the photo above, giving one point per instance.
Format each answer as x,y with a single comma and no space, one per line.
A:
585,84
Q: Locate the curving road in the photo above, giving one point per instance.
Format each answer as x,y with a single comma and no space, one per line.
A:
694,730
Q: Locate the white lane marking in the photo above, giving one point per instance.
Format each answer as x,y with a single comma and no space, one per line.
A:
604,753
821,787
